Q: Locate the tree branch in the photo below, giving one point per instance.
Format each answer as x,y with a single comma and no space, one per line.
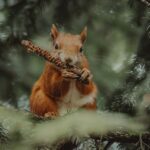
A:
146,2
69,130
126,137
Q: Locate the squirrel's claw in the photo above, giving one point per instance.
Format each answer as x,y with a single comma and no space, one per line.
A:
68,75
85,75
51,115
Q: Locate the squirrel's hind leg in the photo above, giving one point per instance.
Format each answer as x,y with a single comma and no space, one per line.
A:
42,105
90,106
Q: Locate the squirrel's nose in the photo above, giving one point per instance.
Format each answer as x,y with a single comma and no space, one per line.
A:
68,60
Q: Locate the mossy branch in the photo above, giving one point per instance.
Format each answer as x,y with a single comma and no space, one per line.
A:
63,131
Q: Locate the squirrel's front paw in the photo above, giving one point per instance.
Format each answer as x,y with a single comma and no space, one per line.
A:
68,75
85,75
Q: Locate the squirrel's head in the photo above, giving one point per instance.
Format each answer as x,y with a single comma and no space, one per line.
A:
68,47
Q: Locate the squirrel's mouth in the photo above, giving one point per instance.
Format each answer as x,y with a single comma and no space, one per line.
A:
69,63
77,64
67,59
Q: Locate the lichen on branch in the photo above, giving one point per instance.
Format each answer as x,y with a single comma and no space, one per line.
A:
26,130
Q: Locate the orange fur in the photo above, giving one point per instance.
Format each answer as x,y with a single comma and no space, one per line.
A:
51,88
90,106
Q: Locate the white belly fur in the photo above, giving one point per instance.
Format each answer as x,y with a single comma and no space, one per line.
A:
74,99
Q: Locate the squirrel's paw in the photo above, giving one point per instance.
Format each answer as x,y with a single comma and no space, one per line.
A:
86,74
51,115
68,75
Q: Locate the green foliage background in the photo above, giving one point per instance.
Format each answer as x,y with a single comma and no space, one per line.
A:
114,32
117,48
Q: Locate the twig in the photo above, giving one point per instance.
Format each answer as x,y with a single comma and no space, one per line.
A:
146,2
71,71
108,145
141,142
148,146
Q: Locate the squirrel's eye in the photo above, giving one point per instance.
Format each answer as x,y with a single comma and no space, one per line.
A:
56,46
81,49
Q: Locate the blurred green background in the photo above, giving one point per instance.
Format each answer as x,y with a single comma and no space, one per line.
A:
117,46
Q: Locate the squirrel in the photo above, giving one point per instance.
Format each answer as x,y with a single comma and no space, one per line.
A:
53,94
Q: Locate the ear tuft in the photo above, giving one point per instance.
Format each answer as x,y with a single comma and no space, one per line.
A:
83,34
54,32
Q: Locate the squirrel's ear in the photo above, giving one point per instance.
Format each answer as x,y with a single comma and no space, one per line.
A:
83,34
54,32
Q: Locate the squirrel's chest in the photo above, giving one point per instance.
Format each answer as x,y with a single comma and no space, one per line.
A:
74,100
71,101
73,95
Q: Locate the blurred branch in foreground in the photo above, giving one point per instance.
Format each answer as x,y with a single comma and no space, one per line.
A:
24,130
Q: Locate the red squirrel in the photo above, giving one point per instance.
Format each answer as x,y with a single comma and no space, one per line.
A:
54,94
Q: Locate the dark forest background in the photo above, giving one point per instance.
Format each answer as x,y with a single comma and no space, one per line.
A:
117,47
